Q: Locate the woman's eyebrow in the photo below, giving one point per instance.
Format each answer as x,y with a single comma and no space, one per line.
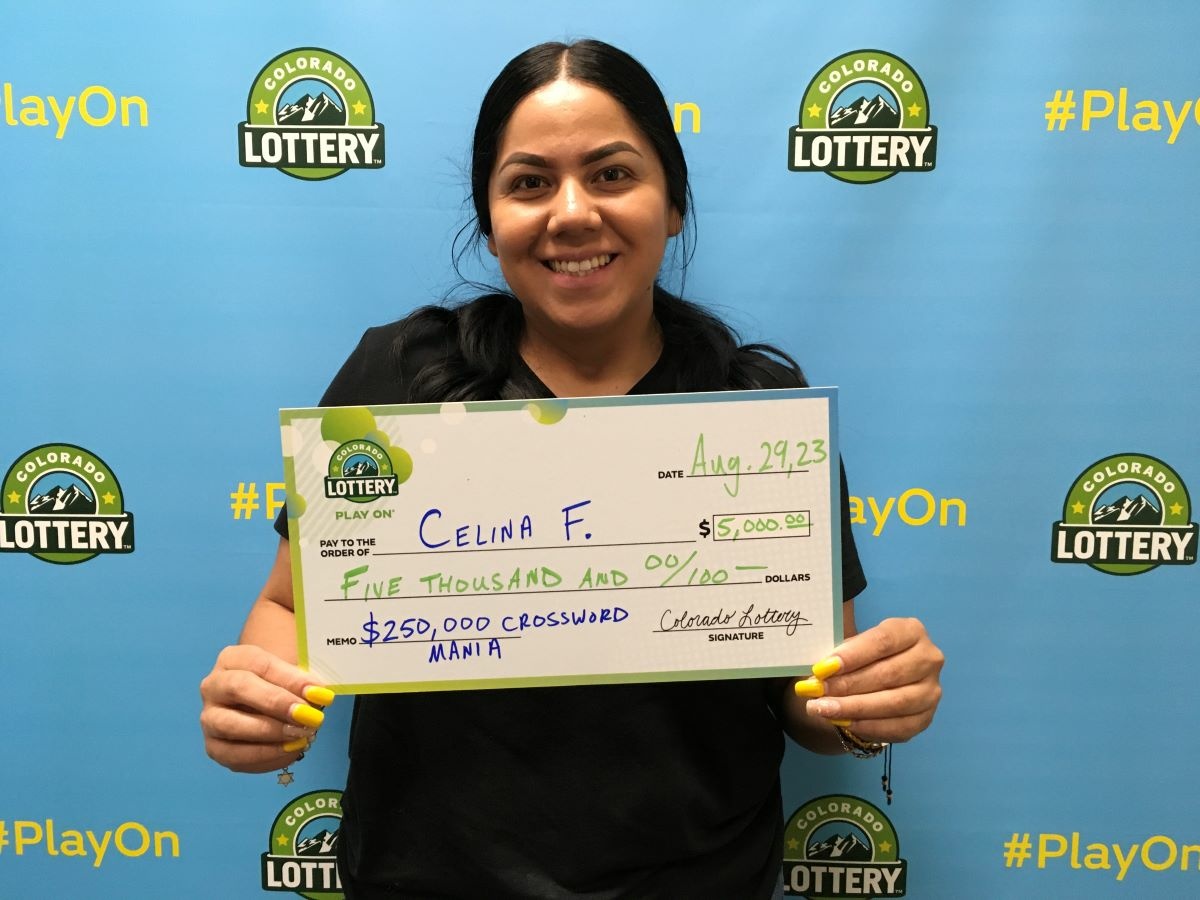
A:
520,158
607,150
525,159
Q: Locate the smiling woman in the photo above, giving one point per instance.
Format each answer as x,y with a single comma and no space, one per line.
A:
580,220
657,790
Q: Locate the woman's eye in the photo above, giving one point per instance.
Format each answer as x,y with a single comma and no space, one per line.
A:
613,173
527,183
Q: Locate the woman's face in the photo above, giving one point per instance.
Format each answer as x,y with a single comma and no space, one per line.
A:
579,209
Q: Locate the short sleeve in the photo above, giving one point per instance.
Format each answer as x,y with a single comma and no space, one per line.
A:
369,376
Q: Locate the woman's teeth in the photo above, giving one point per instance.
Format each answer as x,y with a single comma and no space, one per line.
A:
580,266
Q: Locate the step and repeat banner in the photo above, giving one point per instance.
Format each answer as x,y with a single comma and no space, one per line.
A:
979,222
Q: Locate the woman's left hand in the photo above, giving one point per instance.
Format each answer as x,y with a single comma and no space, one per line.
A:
884,682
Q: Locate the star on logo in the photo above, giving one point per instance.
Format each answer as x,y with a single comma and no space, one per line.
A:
261,106
1176,509
108,497
914,110
793,844
281,840
814,111
14,497
885,846
285,778
359,107
1077,508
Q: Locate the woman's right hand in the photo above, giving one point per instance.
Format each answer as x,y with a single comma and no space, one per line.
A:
260,713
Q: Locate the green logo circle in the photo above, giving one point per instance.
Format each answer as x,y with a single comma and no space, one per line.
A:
310,115
864,117
63,504
302,847
842,846
361,471
1124,515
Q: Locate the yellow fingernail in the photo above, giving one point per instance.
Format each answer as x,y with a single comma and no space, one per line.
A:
830,665
811,688
293,746
843,723
306,715
321,696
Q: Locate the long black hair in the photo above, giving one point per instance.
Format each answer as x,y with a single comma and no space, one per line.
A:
482,335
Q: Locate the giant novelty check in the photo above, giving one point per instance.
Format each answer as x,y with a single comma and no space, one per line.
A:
551,542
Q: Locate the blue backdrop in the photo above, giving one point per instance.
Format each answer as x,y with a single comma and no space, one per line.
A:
998,324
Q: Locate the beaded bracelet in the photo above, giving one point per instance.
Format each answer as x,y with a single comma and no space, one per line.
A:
860,749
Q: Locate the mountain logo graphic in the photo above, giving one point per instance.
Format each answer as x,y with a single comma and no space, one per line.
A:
1124,515
864,117
842,846
301,855
359,465
863,113
63,504
310,115
310,110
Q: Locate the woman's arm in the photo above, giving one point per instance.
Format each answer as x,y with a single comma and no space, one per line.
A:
271,623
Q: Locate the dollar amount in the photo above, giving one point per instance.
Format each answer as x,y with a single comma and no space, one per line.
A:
391,631
420,630
749,526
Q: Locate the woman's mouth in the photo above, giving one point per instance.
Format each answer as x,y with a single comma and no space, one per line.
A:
579,267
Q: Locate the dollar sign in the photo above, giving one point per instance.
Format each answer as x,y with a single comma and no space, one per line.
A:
371,630
705,531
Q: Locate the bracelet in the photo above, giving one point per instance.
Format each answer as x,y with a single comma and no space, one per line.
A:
856,746
860,749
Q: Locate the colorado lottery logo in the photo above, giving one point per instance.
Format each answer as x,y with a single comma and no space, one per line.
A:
63,504
310,115
1125,515
841,846
361,471
301,856
864,118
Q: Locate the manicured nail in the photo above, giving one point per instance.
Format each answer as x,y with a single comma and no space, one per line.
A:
293,746
306,715
830,665
291,732
812,688
317,695
825,707
841,723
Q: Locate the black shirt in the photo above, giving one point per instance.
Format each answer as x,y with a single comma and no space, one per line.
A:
664,790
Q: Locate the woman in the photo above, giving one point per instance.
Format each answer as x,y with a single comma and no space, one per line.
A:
646,790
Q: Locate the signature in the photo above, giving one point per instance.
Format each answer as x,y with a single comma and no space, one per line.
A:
722,619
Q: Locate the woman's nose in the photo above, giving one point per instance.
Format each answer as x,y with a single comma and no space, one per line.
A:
573,209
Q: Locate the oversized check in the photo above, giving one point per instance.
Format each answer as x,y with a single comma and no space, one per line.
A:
551,542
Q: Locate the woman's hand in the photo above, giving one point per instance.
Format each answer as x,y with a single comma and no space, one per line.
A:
260,713
881,683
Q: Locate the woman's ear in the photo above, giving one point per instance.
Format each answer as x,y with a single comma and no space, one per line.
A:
674,223
491,245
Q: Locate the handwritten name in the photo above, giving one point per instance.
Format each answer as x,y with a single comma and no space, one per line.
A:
480,534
